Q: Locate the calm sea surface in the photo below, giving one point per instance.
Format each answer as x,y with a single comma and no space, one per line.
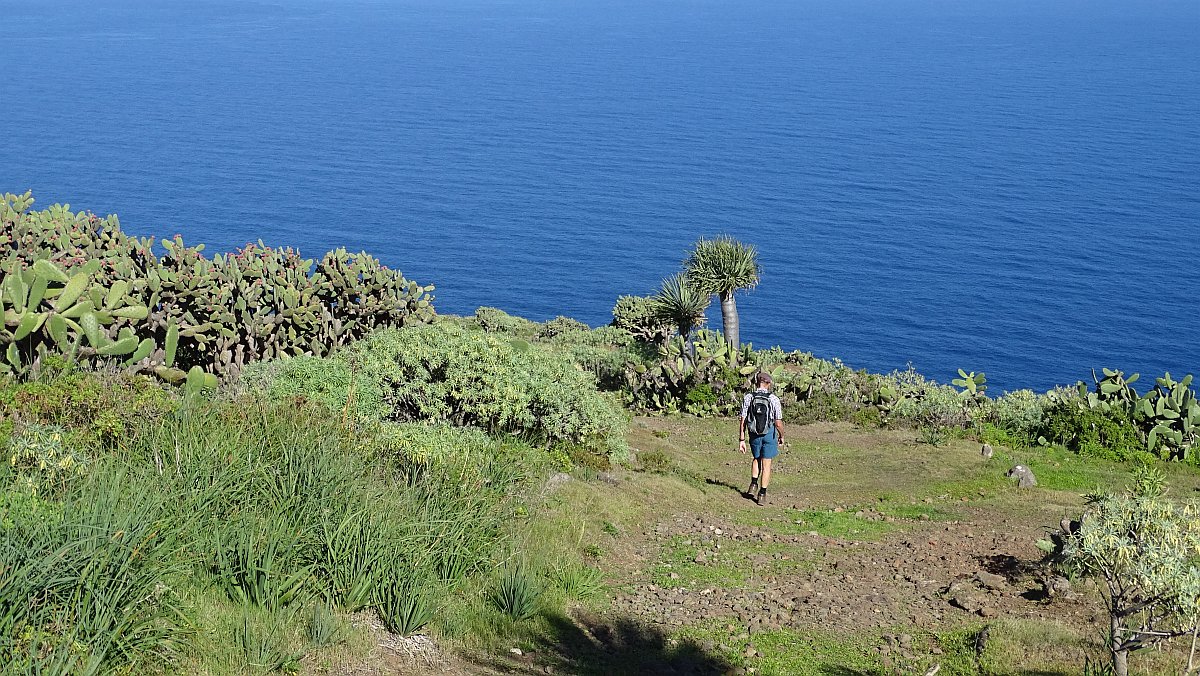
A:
1010,186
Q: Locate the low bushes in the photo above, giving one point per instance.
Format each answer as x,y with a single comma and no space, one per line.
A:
444,373
90,589
702,380
254,508
1112,421
636,316
75,285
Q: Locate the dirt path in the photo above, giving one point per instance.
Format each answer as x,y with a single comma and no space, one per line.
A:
875,555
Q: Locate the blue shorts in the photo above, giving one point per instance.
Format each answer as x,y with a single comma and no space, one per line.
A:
765,446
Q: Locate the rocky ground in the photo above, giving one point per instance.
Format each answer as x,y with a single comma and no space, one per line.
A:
875,555
923,575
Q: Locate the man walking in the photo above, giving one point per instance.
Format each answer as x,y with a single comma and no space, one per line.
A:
762,424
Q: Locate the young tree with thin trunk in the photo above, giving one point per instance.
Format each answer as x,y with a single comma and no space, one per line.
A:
1144,549
723,266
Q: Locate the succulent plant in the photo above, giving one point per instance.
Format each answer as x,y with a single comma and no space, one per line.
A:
75,284
972,383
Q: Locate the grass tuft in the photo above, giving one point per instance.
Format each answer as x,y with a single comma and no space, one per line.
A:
518,593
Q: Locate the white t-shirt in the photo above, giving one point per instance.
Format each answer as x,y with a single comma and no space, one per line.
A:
776,405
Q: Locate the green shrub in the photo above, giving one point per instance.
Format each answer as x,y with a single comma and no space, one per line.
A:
40,462
655,462
990,433
518,592
93,409
561,326
330,382
635,315
578,582
263,643
165,315
1094,433
701,395
867,417
256,563
1019,412
818,407
933,435
605,364
441,373
1143,550
495,320
927,404
406,605
324,628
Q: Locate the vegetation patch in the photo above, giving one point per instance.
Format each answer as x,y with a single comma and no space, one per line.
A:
444,373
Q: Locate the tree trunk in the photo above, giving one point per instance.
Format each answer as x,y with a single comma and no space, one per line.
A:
1120,653
1120,662
689,354
729,318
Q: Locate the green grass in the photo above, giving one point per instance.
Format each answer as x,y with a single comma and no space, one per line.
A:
846,524
678,557
247,509
737,563
788,652
916,512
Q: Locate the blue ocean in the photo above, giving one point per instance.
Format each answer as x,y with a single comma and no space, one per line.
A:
1010,186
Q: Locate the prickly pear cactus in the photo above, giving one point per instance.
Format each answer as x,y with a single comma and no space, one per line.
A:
74,284
50,312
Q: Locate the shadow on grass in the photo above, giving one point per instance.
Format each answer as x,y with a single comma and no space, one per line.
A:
834,670
1009,566
589,646
726,484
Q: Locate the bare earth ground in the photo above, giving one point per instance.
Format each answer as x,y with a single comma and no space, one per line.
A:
875,554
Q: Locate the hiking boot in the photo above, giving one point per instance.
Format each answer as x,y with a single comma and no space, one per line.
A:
762,498
753,490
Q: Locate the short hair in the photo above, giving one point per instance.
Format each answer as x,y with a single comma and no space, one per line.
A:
762,378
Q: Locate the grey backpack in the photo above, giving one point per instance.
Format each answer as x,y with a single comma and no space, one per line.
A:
761,414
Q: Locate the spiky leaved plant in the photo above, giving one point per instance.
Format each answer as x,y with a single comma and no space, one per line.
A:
1143,548
518,592
682,303
723,266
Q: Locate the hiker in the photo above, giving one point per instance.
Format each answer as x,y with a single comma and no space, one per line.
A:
762,424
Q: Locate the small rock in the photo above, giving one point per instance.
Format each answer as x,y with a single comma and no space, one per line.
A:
1023,475
516,651
609,478
987,611
718,531
986,451
996,582
1056,585
557,481
966,602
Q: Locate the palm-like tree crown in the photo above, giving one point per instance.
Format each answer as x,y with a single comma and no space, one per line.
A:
681,303
723,265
